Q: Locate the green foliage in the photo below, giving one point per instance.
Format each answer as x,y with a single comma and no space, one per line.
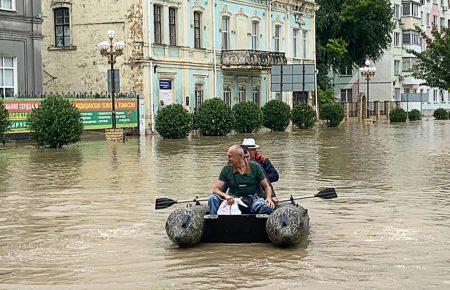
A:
4,122
276,115
440,114
350,31
332,113
433,64
247,117
303,116
214,118
414,115
173,122
325,96
397,115
55,123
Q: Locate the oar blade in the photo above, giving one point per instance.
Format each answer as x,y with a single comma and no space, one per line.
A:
327,193
164,202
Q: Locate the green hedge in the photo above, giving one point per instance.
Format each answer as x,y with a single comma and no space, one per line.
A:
4,122
173,122
303,116
276,115
332,113
397,115
55,123
440,114
247,117
414,115
214,118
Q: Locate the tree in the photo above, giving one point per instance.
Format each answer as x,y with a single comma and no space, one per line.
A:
55,123
4,122
351,31
434,63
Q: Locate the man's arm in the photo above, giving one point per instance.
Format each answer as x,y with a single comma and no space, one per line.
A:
217,189
270,171
267,192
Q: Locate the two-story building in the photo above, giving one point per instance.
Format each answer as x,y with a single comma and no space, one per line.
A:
20,47
222,48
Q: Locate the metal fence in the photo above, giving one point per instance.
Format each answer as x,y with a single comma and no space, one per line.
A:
74,95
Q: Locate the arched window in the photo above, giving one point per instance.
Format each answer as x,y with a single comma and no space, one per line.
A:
62,26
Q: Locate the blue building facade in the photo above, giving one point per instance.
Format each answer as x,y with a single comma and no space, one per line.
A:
200,49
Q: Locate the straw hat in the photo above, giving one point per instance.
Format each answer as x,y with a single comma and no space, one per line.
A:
250,143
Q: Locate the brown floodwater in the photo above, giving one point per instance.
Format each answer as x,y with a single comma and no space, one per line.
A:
84,216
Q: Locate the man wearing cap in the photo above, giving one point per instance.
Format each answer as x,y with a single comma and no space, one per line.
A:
270,171
244,179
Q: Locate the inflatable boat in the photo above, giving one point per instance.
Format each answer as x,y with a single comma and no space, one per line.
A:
287,226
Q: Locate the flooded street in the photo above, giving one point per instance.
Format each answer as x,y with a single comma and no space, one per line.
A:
84,215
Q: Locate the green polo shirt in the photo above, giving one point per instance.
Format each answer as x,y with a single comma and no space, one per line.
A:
245,184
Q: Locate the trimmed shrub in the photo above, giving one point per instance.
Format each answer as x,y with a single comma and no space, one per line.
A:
397,115
332,113
4,122
55,123
247,117
173,122
276,115
414,115
303,116
440,114
214,118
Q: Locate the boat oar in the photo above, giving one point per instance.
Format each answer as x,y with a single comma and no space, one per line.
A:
327,193
166,202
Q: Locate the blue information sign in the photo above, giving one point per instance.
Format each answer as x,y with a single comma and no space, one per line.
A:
165,84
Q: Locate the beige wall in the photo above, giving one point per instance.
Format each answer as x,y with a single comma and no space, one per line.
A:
80,67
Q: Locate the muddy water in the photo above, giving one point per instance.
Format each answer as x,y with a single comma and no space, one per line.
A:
84,216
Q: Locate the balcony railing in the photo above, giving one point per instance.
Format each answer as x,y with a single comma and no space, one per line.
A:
251,58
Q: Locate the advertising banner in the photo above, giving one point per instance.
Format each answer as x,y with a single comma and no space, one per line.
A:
96,114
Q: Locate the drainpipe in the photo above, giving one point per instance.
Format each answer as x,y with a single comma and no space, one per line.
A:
32,47
213,10
150,55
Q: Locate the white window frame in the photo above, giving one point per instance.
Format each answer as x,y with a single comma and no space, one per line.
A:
397,38
225,32
2,71
198,29
304,40
173,26
256,95
295,34
199,91
397,65
277,38
158,40
242,93
255,32
397,13
13,5
345,93
227,94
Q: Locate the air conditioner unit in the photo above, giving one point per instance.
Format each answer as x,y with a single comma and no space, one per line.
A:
444,8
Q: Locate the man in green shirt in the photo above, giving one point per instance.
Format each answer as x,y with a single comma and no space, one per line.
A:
243,178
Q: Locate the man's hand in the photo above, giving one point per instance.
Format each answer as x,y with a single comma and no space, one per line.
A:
270,202
229,198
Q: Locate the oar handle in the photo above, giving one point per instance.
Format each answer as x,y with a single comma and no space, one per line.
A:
192,200
295,198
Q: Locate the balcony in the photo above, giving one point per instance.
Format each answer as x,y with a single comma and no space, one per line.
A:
251,59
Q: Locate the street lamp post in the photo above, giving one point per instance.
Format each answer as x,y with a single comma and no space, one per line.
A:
112,51
368,71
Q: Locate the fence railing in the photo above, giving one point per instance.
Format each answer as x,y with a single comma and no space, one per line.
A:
73,95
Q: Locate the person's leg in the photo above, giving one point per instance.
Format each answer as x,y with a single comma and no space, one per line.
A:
261,207
214,202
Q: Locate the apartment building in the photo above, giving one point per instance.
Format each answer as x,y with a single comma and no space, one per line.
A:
393,80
